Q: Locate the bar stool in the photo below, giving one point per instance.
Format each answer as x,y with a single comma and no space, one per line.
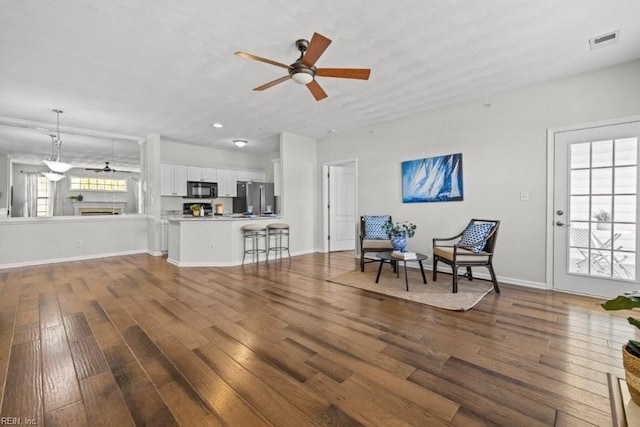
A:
278,230
255,232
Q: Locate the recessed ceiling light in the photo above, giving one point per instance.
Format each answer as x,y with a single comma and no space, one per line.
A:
331,131
217,125
240,142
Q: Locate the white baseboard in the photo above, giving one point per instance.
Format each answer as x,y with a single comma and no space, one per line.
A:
68,259
201,264
262,259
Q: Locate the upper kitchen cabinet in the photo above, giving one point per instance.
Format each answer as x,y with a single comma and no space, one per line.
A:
251,176
227,183
173,180
195,173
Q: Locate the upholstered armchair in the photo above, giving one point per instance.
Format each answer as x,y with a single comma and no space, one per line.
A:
373,238
474,248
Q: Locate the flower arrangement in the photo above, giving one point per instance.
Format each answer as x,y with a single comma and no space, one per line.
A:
400,229
602,216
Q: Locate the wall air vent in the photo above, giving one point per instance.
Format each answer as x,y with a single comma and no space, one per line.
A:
604,40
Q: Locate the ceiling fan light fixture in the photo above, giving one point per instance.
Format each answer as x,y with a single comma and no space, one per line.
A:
53,176
240,142
302,76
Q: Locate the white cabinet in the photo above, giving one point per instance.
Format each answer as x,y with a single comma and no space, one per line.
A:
251,176
173,180
277,178
227,183
196,173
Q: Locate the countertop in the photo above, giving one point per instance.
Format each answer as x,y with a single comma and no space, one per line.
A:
235,217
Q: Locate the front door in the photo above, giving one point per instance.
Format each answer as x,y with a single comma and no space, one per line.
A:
342,207
596,209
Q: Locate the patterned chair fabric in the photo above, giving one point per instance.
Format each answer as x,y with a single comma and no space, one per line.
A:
373,238
474,248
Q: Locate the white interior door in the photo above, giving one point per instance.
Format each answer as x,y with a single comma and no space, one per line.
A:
342,207
595,209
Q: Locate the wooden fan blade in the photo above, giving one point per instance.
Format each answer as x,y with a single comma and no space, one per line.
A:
258,58
317,91
345,73
317,46
273,83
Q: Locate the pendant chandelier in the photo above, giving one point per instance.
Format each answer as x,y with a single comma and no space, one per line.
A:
55,164
52,176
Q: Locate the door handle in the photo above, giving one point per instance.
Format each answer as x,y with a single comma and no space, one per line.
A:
559,223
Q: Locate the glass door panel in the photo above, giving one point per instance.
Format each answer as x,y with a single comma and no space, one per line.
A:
603,208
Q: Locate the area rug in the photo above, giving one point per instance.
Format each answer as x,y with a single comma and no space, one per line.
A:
436,294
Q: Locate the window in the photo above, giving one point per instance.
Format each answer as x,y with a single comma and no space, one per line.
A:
42,196
603,203
97,184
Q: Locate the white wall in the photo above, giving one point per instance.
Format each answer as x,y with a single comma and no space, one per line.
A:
30,241
300,179
504,152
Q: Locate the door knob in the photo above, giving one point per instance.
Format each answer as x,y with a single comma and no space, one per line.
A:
560,212
559,223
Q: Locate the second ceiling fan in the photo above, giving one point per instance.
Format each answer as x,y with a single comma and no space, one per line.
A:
106,168
304,71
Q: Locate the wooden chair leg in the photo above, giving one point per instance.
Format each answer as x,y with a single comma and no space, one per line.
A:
493,278
469,274
455,279
435,269
362,260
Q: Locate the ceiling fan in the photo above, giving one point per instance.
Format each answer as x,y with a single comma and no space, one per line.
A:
304,71
106,168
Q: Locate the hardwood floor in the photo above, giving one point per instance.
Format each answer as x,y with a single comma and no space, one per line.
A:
135,340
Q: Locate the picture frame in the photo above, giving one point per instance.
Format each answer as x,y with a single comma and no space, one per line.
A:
433,179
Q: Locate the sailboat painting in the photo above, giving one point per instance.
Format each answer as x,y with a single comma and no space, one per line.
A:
433,179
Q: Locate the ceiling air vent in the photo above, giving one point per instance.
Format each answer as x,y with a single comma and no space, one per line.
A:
604,40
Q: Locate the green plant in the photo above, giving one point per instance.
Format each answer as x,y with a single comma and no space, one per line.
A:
627,303
602,216
400,229
194,208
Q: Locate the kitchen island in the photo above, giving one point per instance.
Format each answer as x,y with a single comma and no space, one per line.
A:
210,241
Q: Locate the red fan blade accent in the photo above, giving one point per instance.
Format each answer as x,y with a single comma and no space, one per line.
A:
317,46
345,73
317,91
273,83
258,58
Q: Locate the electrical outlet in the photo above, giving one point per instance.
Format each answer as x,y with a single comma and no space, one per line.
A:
79,243
524,196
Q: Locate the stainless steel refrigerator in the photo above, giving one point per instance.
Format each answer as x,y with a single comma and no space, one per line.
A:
259,195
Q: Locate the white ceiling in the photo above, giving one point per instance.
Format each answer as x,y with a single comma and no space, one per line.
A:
167,67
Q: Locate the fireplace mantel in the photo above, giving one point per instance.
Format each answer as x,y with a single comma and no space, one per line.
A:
98,208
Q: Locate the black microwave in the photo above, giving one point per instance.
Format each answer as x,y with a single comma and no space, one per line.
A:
202,190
